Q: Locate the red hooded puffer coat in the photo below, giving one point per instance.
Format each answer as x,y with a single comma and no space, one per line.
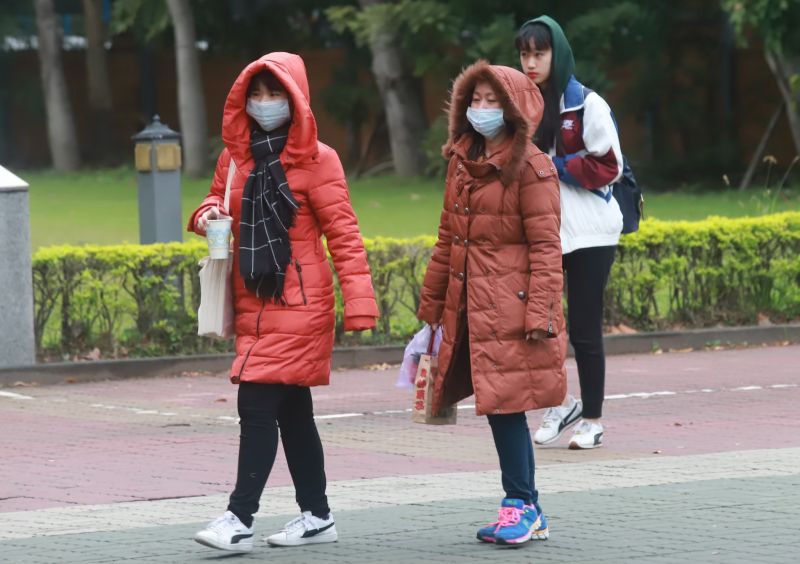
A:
293,343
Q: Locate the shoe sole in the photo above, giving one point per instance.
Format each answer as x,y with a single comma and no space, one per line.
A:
575,446
561,432
542,535
223,546
317,539
513,543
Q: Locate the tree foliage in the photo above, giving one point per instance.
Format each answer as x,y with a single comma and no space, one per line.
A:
775,20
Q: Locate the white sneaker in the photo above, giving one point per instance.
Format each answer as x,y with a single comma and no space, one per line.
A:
556,420
305,529
226,533
588,434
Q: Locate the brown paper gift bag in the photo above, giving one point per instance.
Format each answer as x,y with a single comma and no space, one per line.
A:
427,371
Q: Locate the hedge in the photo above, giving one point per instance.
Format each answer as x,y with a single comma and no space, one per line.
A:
141,300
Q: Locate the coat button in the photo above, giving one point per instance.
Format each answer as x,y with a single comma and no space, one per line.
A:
460,276
460,166
466,243
466,211
455,238
456,207
521,295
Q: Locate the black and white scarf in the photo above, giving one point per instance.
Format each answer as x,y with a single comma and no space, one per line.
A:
268,211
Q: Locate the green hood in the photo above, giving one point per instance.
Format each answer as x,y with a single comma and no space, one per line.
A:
563,61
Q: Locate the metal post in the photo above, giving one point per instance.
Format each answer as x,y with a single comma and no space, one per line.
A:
158,162
17,345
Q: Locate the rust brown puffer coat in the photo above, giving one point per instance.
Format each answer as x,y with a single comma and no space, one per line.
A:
496,268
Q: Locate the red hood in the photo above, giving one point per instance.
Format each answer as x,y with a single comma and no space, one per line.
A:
290,70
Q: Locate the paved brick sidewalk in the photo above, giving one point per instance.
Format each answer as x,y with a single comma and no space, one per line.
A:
702,465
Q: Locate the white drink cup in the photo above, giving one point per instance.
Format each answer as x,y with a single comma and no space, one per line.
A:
218,235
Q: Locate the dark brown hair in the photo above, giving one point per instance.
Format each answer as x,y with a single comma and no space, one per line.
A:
539,36
267,80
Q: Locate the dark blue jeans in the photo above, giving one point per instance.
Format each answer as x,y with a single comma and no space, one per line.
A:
512,438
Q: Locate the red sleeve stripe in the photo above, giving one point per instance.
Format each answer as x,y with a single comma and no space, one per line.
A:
593,172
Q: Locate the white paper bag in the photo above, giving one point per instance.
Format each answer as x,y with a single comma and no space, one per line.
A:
215,316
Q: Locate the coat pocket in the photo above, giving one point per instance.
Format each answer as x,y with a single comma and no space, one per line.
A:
512,301
294,291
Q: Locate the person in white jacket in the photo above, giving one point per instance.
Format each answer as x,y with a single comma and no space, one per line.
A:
579,133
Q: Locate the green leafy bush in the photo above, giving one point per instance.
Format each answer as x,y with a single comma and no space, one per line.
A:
703,273
141,300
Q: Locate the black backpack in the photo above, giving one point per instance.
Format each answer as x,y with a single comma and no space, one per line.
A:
626,191
629,197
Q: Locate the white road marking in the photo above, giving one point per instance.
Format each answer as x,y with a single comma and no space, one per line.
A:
348,415
339,415
642,395
13,395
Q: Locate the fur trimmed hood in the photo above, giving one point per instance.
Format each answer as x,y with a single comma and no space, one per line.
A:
522,108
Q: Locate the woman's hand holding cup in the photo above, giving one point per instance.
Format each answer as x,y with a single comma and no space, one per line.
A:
201,224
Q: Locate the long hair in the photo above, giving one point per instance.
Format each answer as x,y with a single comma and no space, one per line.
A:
548,135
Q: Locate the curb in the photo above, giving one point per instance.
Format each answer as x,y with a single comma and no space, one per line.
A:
700,338
353,357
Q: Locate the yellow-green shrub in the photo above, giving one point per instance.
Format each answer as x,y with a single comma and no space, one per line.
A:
702,273
142,300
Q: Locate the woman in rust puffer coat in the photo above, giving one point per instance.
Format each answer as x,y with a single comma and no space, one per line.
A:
494,281
287,190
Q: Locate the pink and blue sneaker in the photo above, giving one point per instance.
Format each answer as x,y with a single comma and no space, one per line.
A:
516,524
541,531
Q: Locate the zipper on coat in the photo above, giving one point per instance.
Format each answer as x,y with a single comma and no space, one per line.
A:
550,319
258,335
300,277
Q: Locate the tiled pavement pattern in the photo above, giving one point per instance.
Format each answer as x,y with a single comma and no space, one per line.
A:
702,464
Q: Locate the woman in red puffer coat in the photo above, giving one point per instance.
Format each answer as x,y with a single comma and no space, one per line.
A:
287,191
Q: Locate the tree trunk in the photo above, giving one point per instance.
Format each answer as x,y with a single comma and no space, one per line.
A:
99,85
60,123
783,69
762,145
404,113
191,100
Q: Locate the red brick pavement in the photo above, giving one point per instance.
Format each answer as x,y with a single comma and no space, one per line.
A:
161,438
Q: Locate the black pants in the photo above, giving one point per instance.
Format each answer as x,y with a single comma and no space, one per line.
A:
587,272
263,409
512,438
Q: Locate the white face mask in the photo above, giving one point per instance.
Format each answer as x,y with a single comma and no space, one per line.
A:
269,115
486,121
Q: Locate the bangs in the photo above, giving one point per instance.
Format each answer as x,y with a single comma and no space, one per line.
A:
536,34
267,80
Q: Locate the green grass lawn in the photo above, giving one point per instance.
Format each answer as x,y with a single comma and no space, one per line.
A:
101,206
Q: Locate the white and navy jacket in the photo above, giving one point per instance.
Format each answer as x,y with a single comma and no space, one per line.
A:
592,161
